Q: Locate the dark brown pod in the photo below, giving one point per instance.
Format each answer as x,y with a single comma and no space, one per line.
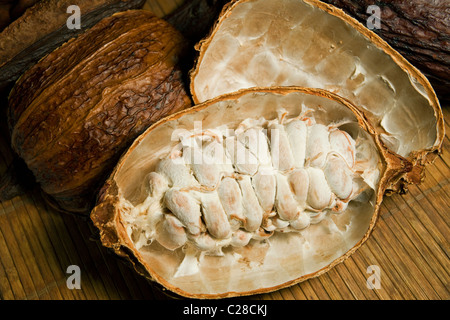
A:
72,114
42,28
418,29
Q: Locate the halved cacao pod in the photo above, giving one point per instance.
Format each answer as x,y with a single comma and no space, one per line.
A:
72,114
304,195
313,44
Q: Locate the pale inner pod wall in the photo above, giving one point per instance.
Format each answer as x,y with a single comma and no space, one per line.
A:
265,43
258,266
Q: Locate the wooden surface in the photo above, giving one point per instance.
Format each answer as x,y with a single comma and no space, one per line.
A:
410,245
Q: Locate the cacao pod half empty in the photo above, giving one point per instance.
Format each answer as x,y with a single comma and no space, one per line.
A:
417,29
310,43
247,193
73,113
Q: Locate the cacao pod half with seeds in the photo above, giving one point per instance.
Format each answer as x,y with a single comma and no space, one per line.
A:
313,44
269,186
72,114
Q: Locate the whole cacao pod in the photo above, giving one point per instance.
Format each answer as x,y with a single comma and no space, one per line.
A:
269,182
72,114
181,205
42,28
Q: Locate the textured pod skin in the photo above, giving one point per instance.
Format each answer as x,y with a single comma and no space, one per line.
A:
282,258
42,28
72,114
256,43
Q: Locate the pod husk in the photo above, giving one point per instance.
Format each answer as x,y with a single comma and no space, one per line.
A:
313,44
72,114
262,268
42,28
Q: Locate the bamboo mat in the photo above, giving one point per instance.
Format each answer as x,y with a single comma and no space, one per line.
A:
410,245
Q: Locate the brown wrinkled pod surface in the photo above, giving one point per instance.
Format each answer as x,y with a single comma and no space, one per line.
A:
42,28
309,43
264,223
72,114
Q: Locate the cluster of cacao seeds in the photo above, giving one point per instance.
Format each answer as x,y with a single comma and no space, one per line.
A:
222,187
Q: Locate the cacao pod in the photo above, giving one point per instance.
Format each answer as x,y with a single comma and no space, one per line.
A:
72,114
305,194
313,44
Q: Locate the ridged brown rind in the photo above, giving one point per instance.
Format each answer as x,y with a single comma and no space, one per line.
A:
107,216
42,28
322,53
73,114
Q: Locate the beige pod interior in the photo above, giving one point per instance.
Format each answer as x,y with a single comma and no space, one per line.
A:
284,258
309,43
